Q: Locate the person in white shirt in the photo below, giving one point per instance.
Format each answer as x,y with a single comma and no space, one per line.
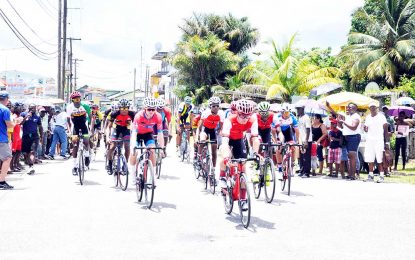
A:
61,122
376,128
304,123
350,126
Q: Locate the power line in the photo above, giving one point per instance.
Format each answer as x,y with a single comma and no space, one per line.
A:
45,9
40,38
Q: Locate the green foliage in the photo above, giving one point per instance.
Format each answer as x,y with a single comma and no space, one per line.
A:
372,10
407,85
201,61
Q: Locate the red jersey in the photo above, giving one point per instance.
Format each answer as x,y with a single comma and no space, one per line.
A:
121,120
167,114
195,121
210,120
146,125
234,130
267,123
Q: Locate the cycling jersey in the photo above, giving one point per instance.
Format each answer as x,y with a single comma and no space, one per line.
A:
234,130
166,114
80,117
98,119
107,113
271,120
145,125
286,125
121,120
195,121
184,111
211,120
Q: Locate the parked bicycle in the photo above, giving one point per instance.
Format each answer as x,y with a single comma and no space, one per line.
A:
266,174
237,189
144,176
120,166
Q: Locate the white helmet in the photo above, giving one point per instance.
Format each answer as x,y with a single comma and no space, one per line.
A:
214,101
285,107
161,103
188,100
245,106
149,102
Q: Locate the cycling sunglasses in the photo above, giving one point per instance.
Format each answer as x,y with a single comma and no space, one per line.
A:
244,116
76,99
151,109
124,108
214,106
264,113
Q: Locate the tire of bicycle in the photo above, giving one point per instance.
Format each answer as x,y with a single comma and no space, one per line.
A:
158,168
228,196
196,169
81,167
269,189
257,187
212,179
289,173
188,152
115,169
245,214
123,173
206,170
139,181
148,186
183,151
284,180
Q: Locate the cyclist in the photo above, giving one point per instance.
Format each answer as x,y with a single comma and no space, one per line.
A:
232,137
120,124
287,130
165,118
96,122
195,125
209,120
183,120
114,107
80,115
144,122
231,110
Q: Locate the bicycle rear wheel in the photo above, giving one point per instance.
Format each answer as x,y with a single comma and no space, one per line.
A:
139,182
245,213
123,173
115,169
284,177
196,168
188,152
158,164
148,183
211,178
228,200
289,173
81,168
269,180
206,171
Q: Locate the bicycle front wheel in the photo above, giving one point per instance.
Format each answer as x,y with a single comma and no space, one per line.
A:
148,183
81,168
116,169
244,205
206,171
123,173
269,179
211,177
257,184
139,182
289,173
158,164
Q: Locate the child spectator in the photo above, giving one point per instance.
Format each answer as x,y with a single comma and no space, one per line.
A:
335,148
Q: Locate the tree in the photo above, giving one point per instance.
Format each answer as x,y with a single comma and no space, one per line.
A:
287,73
200,61
372,10
388,49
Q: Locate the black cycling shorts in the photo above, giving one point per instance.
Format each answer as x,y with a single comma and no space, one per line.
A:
82,128
210,132
238,148
146,138
265,135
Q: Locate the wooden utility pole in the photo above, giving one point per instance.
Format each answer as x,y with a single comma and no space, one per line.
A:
58,82
134,88
70,62
63,78
75,69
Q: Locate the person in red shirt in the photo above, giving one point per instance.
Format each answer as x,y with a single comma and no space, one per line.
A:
209,121
144,122
16,138
233,131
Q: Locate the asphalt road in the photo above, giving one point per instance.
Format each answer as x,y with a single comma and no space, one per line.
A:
51,216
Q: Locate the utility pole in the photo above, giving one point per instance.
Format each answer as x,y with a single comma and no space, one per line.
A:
58,82
76,77
134,88
65,14
147,83
70,62
141,67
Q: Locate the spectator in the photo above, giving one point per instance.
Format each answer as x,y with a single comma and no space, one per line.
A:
305,135
32,126
319,133
5,151
351,132
60,122
45,126
388,153
17,139
376,128
401,131
51,114
335,148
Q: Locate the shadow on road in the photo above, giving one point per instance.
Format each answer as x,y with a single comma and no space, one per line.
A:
298,193
86,182
158,206
169,177
254,224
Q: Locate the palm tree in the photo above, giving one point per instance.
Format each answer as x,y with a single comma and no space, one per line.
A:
201,61
388,50
285,74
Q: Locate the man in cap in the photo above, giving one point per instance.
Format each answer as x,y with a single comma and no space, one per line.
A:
376,128
60,122
5,151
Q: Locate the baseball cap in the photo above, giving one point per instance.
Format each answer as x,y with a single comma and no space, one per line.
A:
4,94
385,107
373,104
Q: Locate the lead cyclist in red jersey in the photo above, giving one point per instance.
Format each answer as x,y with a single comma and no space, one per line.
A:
144,122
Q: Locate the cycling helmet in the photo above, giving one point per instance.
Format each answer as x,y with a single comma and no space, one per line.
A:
188,100
233,105
94,106
245,106
214,101
264,106
149,102
18,104
285,107
161,103
75,94
114,106
123,103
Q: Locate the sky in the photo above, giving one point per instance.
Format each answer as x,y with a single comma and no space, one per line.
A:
113,32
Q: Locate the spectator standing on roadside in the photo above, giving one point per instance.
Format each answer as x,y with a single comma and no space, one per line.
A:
351,132
45,126
60,122
304,124
5,151
376,128
335,148
319,132
17,138
32,126
401,131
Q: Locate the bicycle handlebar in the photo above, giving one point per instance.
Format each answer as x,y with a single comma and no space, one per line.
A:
206,142
147,148
243,160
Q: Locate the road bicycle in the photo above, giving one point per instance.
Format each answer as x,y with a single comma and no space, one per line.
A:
120,166
237,189
81,158
159,159
94,140
144,175
287,164
185,146
266,174
206,166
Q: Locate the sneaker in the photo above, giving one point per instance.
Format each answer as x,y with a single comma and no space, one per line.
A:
369,178
31,171
75,171
381,179
244,205
87,161
255,178
49,157
64,157
279,175
5,186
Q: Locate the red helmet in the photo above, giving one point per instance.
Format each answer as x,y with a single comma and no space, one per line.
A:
75,94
